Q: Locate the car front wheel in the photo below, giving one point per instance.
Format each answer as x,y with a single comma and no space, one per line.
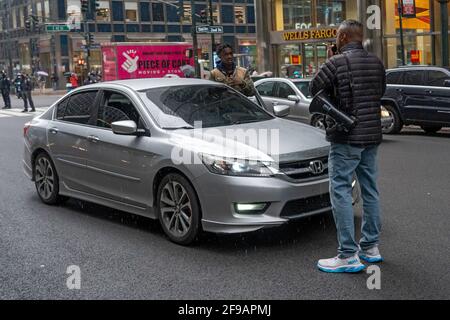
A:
178,209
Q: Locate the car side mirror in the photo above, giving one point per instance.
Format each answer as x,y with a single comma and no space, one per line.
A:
294,98
447,83
127,127
281,111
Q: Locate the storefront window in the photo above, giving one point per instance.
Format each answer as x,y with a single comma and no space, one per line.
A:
418,50
39,9
47,9
103,12
239,14
290,61
131,12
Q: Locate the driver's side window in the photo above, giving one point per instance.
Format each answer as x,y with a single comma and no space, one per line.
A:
115,107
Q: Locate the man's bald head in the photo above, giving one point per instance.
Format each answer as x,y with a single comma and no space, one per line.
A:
349,31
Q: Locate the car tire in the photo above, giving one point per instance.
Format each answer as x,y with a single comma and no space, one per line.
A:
178,209
46,180
318,121
397,125
431,129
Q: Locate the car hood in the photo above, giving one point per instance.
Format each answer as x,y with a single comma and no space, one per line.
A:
275,140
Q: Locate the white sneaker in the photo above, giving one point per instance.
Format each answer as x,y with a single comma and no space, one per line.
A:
338,265
371,256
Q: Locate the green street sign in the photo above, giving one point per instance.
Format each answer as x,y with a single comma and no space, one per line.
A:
57,27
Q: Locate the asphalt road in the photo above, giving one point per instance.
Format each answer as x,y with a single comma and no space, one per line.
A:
122,256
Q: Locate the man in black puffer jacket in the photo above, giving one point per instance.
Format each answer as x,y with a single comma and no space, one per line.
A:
355,79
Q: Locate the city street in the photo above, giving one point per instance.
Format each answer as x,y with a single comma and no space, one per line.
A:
122,256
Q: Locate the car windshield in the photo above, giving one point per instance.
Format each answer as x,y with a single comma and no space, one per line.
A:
212,105
303,86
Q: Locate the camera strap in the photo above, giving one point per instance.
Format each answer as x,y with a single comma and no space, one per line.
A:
350,77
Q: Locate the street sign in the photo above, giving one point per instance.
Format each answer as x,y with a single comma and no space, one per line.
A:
92,46
57,27
209,29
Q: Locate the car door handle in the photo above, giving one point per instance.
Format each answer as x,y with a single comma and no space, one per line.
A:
428,91
54,130
275,103
93,139
399,90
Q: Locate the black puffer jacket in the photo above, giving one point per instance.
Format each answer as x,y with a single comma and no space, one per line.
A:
369,85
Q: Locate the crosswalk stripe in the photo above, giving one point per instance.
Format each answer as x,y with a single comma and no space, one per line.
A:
19,113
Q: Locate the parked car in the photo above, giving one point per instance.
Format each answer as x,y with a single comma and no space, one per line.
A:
295,93
117,144
292,92
418,95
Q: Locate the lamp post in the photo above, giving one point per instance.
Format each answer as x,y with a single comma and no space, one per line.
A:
213,44
194,38
402,44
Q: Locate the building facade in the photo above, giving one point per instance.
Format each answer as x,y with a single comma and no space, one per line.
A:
293,35
113,21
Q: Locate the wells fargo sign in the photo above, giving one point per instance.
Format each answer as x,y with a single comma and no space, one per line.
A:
310,34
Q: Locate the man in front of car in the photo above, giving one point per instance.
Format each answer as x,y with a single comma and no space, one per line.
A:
355,79
228,73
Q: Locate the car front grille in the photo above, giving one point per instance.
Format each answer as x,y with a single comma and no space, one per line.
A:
299,207
301,170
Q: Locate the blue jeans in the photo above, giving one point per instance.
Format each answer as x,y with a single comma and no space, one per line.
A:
344,161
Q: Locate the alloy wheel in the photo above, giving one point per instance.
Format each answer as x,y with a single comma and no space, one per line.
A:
45,178
176,209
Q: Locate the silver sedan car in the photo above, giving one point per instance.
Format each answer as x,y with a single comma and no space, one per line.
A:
168,149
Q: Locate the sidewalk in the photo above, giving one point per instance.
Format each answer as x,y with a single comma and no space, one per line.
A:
49,92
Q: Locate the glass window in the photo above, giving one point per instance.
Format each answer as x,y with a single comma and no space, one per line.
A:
240,15
284,90
116,107
103,12
79,107
413,77
187,13
39,9
303,86
157,12
437,78
394,77
61,108
266,89
47,9
117,10
131,12
297,14
213,106
330,12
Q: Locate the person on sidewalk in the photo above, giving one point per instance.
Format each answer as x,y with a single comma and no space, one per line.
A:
26,88
356,81
228,73
5,87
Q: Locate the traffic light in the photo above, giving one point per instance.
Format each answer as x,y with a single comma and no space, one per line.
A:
81,62
28,25
203,17
84,6
180,8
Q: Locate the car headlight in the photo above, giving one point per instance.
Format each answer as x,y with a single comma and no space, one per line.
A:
237,167
384,113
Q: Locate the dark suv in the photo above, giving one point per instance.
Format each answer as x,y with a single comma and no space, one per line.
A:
418,95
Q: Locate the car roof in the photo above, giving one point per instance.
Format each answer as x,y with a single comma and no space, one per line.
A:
417,67
150,83
283,80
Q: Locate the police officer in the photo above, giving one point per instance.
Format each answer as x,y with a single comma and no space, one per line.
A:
26,88
5,86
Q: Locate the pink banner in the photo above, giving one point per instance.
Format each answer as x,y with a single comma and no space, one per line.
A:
152,60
